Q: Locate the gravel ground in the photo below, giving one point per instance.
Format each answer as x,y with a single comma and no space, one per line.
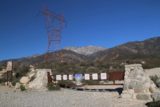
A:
64,98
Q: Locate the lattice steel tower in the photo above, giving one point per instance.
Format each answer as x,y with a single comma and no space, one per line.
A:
54,26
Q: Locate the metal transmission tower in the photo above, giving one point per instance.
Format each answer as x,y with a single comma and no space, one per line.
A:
54,25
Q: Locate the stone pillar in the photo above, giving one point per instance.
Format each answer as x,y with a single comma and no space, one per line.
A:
136,84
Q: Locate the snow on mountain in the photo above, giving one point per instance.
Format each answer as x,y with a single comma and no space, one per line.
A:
87,50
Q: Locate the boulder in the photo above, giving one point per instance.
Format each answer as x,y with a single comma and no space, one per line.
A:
31,75
17,86
32,72
156,96
128,94
24,80
158,82
143,96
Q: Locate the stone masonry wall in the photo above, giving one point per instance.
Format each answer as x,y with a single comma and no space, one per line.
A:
137,84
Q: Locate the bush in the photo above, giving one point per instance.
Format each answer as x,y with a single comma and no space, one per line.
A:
21,71
2,80
52,87
153,104
22,87
14,81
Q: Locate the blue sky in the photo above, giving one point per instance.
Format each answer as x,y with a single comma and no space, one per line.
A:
105,23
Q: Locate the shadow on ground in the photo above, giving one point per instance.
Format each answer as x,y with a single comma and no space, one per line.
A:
119,90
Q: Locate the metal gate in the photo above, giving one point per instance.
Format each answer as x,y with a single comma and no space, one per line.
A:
109,76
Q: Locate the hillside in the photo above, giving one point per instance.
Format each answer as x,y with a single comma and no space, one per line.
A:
146,52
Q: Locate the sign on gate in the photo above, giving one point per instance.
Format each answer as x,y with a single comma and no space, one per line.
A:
70,77
103,76
58,77
86,76
95,76
64,77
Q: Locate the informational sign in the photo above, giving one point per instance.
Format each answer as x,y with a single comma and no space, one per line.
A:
58,77
95,76
9,66
64,77
86,76
103,76
70,77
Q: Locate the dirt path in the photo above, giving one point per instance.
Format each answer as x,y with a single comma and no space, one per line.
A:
63,98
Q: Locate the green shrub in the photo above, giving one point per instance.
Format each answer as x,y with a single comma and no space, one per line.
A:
14,81
52,87
22,87
2,80
21,71
153,104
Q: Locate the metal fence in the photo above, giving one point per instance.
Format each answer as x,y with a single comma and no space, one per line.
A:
110,76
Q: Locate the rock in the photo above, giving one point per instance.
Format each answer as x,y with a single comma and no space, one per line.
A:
156,96
158,82
24,80
153,87
128,94
143,96
6,83
9,84
32,72
31,75
17,86
41,80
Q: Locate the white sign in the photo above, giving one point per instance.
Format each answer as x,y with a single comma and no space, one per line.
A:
95,76
64,77
86,76
103,76
70,77
9,66
58,77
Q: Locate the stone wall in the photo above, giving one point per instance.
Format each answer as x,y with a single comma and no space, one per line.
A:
137,84
41,80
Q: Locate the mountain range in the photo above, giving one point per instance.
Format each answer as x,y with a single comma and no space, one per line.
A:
92,58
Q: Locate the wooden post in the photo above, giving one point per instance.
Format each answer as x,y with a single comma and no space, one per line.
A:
113,82
7,78
49,78
11,75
